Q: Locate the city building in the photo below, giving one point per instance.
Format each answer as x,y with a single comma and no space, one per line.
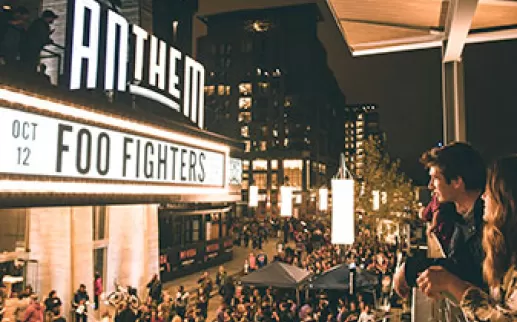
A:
269,85
110,171
361,123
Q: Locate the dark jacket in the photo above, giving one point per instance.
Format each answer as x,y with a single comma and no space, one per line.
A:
465,255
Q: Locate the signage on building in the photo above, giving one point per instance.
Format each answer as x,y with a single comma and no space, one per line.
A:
33,144
235,171
107,52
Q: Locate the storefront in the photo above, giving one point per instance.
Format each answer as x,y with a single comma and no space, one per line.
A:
82,181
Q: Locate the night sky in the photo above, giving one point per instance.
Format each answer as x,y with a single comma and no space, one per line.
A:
407,88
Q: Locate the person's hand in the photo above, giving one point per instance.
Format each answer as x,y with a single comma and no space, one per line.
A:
434,280
400,283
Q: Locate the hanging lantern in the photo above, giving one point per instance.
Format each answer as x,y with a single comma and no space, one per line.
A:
343,225
376,199
253,196
324,193
286,195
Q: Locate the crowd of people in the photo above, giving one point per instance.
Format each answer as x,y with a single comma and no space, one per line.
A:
473,217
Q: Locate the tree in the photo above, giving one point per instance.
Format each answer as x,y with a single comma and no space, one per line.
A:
381,176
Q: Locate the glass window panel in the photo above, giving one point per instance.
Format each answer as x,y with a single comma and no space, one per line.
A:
245,103
245,88
12,229
99,223
260,164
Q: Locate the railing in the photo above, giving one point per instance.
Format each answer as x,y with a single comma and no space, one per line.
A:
54,53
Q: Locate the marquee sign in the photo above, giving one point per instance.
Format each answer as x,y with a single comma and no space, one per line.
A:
107,52
33,144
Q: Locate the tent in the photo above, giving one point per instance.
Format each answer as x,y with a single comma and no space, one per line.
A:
338,278
277,274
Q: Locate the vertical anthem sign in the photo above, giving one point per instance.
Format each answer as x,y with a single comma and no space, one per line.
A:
105,51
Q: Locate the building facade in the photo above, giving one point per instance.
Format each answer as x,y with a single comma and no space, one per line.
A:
107,180
269,86
361,123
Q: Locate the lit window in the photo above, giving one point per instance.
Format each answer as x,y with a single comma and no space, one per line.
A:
245,117
210,90
264,130
293,170
259,71
245,88
275,133
288,101
227,88
276,73
220,90
259,164
247,147
274,164
245,131
263,145
260,180
245,164
263,85
286,142
360,116
245,103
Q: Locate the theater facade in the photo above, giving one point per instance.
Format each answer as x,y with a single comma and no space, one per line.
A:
111,170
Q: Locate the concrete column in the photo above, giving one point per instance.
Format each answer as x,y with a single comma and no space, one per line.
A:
49,244
453,100
133,245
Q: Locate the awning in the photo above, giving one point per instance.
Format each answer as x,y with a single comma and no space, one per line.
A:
381,26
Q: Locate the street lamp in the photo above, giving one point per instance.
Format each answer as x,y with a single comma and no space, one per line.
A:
343,224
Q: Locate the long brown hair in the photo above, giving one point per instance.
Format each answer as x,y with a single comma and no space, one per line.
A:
500,231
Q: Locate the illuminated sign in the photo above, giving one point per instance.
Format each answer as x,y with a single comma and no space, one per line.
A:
32,144
235,171
109,53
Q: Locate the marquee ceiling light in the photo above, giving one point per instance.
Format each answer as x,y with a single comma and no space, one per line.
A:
67,110
25,186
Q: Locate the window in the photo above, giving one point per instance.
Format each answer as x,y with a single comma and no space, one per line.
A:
100,230
12,229
274,180
264,130
260,180
245,117
213,226
227,89
220,90
245,103
245,88
288,101
293,170
263,86
259,164
247,147
245,164
274,164
286,142
210,90
263,145
245,131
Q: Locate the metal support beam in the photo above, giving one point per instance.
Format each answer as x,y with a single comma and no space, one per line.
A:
453,101
459,19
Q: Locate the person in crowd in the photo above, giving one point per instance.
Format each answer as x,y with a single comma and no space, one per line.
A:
220,279
181,301
80,304
202,302
155,289
97,289
37,37
458,175
21,306
12,35
500,246
34,312
205,281
52,305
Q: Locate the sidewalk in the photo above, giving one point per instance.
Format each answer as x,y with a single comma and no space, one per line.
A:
233,267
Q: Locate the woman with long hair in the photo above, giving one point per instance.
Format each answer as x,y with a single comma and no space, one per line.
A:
500,246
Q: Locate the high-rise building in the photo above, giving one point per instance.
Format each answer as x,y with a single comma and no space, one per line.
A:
269,85
173,22
361,123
